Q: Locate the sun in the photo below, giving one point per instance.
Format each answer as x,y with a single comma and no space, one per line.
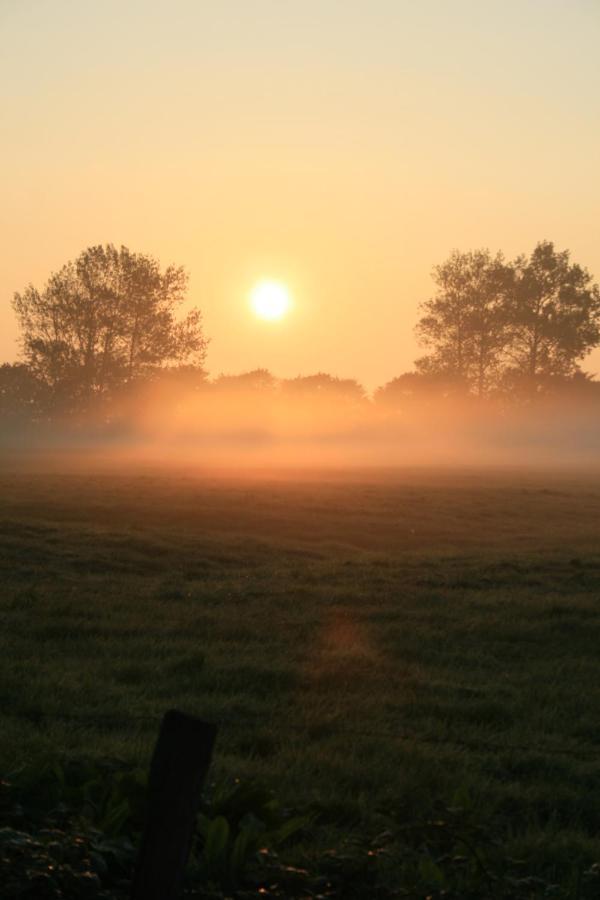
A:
270,300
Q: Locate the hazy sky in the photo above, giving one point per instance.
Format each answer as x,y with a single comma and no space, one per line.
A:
342,146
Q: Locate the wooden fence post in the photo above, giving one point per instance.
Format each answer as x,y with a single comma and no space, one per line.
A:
179,765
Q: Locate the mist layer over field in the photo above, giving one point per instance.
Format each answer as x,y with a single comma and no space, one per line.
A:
221,426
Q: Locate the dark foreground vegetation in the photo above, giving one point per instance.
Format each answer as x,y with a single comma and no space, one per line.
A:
405,669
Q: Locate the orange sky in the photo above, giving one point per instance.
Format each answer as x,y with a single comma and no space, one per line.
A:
343,148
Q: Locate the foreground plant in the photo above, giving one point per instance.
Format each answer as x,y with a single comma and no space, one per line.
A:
71,831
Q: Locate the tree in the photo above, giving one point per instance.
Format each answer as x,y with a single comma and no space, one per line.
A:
324,386
416,390
554,312
255,381
21,394
105,320
465,326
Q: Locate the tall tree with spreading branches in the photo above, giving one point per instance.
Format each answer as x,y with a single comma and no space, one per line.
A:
554,314
105,319
465,326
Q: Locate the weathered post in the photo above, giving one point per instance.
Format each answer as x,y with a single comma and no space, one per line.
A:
179,765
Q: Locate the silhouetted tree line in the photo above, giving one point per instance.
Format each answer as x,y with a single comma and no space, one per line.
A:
106,323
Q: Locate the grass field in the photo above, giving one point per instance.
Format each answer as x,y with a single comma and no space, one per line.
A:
372,642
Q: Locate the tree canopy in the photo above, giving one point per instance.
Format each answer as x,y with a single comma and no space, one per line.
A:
106,319
465,325
21,394
494,324
324,386
554,312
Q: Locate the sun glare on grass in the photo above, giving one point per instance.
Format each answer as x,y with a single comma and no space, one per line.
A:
270,300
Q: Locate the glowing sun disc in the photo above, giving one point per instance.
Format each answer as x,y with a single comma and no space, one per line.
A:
270,300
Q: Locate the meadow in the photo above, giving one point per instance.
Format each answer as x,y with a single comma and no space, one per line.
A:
376,645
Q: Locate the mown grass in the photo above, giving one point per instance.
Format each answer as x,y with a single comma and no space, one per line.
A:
370,642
